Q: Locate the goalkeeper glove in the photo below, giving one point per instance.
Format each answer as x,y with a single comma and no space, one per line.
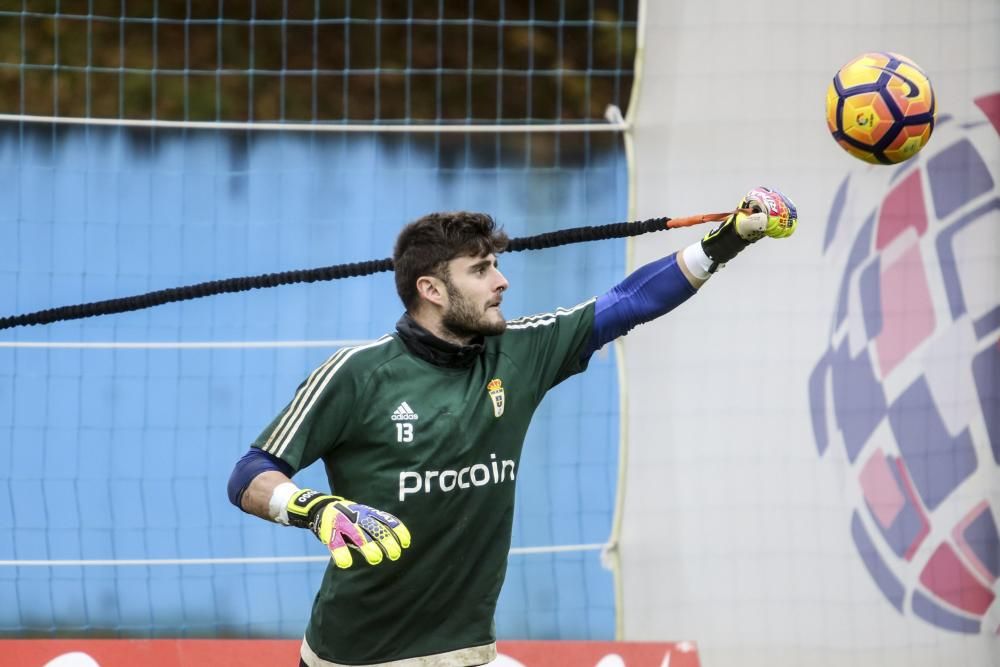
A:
342,524
772,214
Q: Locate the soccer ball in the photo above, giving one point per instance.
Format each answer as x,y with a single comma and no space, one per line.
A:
880,108
907,394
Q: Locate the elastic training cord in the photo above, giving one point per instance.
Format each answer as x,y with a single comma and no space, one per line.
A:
232,285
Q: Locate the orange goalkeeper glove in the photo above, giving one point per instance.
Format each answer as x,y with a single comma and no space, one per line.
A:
772,214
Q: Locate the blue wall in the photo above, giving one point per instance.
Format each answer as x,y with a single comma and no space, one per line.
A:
121,454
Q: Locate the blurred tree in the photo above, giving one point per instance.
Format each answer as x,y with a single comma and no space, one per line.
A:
388,61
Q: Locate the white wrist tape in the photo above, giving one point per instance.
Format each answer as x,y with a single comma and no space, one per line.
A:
697,262
277,506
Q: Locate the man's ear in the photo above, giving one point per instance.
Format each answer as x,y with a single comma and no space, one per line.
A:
432,289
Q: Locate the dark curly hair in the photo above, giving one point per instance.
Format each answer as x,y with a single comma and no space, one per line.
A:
425,246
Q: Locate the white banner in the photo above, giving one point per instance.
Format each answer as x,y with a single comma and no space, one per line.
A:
814,438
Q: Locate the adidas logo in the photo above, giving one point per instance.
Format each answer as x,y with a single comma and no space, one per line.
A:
404,413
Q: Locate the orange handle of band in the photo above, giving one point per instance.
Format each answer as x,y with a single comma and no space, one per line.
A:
692,220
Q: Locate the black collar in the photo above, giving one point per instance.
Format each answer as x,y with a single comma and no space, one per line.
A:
434,350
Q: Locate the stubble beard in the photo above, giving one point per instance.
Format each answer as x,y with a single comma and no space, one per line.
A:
465,319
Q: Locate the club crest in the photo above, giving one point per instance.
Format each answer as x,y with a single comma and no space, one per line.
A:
495,389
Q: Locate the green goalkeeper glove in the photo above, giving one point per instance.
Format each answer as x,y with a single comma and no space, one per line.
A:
772,214
343,525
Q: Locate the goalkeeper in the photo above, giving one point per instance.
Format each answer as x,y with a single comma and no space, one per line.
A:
421,432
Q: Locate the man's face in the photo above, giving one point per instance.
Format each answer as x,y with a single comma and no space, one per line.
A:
475,289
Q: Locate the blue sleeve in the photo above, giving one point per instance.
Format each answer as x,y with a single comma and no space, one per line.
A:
253,463
650,291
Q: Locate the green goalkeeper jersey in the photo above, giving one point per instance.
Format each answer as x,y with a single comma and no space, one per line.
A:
436,441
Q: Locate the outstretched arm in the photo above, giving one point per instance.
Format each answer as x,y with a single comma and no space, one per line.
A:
658,287
648,292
